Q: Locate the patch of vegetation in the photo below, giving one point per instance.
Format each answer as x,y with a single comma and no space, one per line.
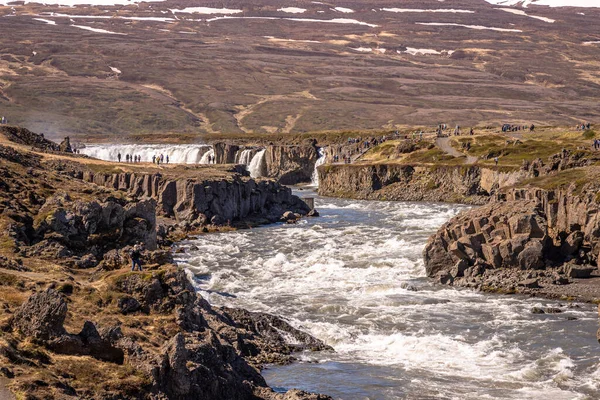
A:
578,177
432,156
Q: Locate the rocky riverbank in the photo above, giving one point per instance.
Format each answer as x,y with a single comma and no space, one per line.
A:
74,323
531,240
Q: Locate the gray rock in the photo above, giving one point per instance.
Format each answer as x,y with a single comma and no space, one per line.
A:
459,269
579,272
87,261
42,315
532,283
128,305
532,256
572,243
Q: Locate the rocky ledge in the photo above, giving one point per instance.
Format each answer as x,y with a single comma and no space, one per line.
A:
528,240
76,324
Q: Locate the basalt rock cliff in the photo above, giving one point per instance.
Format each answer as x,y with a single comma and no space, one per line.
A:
526,240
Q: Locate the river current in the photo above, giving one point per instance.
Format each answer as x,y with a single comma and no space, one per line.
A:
355,279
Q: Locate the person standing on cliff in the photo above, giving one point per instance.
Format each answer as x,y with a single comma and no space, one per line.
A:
119,157
496,161
136,254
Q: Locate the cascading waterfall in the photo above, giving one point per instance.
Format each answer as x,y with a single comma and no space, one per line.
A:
178,153
244,157
320,161
257,165
205,158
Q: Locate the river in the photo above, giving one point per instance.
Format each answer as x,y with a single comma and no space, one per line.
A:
354,278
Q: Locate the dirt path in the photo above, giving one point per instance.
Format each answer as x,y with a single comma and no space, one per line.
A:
5,394
444,144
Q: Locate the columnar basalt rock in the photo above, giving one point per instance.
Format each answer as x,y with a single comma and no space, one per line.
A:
185,199
550,234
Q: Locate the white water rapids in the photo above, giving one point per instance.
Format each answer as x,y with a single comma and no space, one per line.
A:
178,153
354,278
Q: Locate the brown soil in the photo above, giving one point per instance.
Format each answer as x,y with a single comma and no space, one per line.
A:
238,76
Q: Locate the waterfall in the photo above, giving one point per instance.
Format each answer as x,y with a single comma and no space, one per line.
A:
178,153
204,159
244,157
257,165
320,161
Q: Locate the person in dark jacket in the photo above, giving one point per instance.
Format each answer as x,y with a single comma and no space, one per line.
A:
136,255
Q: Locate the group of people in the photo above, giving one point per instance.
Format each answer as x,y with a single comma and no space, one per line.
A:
130,158
583,126
3,121
441,128
211,159
347,159
158,159
596,144
516,128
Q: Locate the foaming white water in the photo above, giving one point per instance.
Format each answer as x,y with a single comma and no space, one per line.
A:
354,278
244,157
206,157
178,153
314,181
257,164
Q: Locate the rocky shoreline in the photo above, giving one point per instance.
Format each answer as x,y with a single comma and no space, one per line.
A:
75,323
527,240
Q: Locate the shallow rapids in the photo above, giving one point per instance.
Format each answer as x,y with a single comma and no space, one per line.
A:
354,278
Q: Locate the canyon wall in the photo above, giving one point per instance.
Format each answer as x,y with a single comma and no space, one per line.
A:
188,199
456,184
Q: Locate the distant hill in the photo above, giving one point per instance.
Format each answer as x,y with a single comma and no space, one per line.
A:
166,70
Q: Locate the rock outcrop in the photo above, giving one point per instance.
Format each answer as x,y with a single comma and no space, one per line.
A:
526,239
26,137
462,184
190,199
207,353
291,164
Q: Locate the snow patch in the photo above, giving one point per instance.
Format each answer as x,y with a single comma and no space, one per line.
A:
206,10
549,3
292,10
330,21
477,27
72,3
46,21
115,70
152,19
362,49
417,10
425,52
343,10
97,30
523,13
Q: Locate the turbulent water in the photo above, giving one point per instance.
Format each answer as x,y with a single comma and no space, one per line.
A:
178,153
355,279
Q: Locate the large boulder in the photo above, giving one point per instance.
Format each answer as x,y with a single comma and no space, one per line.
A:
532,256
42,315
